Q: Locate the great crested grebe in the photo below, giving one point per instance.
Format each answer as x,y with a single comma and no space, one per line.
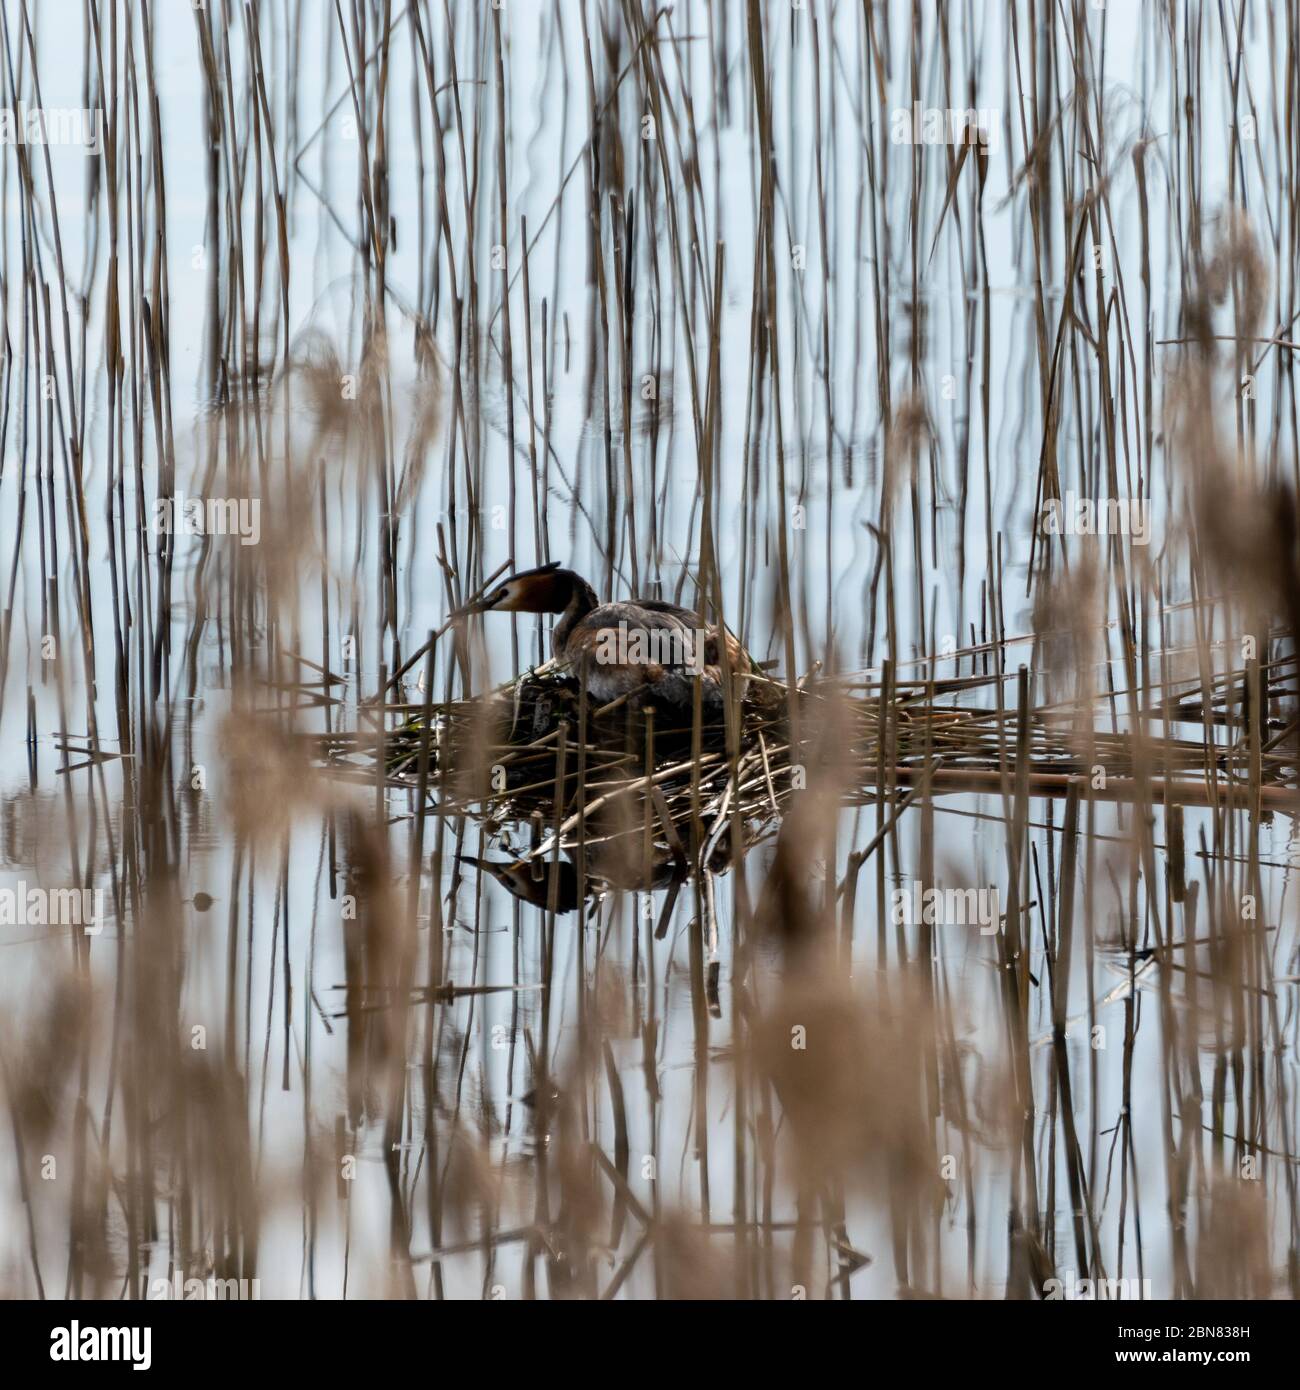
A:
621,648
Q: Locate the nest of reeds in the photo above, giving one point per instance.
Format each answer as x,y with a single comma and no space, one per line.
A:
537,750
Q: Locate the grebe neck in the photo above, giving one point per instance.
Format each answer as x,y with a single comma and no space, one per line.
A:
582,599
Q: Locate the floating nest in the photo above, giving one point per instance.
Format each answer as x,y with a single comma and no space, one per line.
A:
536,750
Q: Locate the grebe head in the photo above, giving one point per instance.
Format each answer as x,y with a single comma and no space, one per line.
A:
546,589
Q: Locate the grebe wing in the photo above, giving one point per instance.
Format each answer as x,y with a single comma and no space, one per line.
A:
658,605
737,657
621,623
634,616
